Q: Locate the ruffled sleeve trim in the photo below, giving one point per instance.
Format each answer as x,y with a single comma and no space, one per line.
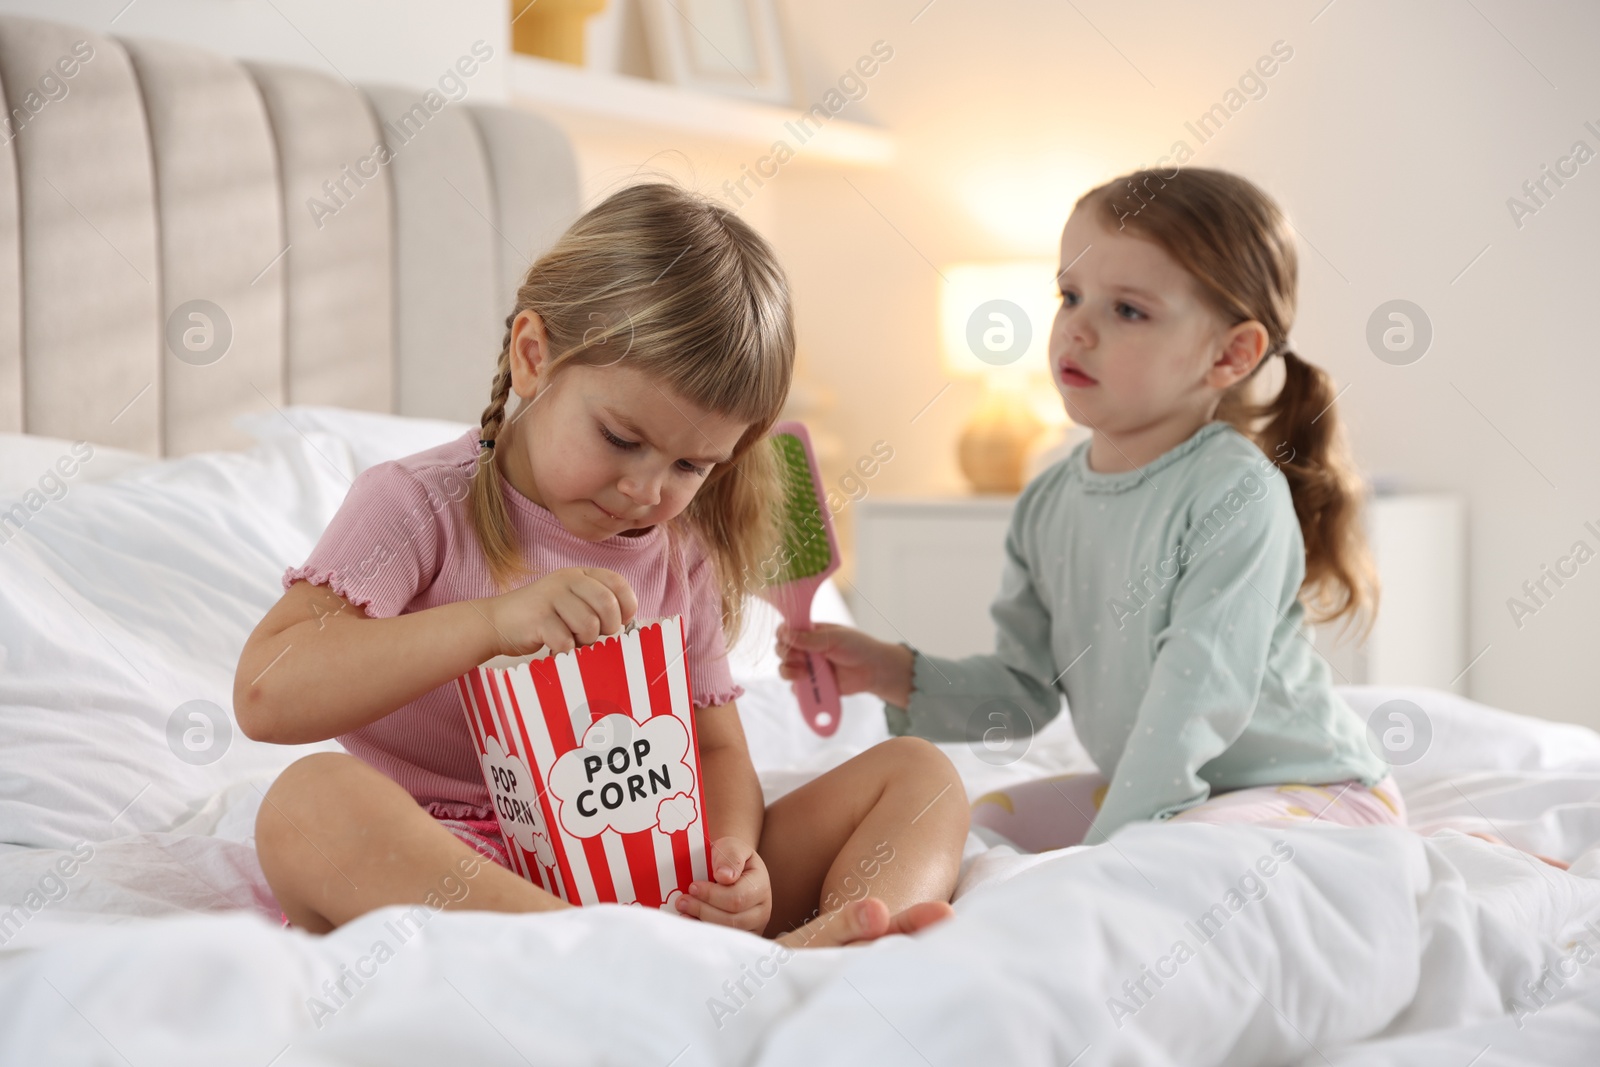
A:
333,580
712,699
896,717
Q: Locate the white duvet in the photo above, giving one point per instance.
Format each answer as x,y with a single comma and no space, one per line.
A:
1171,944
1168,945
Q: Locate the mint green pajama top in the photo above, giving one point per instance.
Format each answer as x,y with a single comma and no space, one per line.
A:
1163,603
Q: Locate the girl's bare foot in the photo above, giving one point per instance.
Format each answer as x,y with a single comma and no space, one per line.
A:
864,920
1495,839
920,916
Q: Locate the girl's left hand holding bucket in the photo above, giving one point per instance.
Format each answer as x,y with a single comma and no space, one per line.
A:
740,894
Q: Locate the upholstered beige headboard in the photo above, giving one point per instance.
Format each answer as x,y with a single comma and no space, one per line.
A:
139,177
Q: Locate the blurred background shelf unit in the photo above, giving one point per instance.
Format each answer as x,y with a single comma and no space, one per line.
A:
620,104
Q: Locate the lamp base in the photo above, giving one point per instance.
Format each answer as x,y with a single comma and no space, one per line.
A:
552,29
993,450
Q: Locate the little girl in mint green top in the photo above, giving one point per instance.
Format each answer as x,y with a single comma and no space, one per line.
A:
1165,601
1159,577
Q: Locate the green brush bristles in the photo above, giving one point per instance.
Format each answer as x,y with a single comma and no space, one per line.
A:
805,539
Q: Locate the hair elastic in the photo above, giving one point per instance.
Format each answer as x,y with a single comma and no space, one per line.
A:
484,443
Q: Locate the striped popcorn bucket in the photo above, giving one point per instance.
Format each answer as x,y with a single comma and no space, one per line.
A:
591,759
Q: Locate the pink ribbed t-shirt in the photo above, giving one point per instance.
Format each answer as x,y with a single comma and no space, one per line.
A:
402,542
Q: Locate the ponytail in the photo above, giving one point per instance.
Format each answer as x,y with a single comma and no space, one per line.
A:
1303,434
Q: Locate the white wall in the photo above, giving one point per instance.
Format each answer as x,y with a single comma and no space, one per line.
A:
402,42
1394,137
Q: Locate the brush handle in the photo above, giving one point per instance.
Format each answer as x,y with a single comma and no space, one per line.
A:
817,689
818,692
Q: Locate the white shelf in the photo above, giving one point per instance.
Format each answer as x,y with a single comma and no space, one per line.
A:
617,100
962,505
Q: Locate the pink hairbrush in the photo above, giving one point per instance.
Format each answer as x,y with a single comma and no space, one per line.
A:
809,553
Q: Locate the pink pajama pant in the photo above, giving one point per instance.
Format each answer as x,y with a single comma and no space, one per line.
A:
1056,812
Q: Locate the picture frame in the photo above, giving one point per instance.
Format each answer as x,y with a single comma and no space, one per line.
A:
728,47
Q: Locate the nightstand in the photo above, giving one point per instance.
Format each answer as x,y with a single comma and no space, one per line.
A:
928,567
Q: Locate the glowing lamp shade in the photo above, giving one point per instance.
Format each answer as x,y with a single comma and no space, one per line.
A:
994,325
994,318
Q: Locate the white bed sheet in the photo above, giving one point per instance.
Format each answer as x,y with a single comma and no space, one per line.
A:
1366,946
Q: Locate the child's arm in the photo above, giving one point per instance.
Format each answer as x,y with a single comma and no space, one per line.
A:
861,662
1011,691
739,893
316,666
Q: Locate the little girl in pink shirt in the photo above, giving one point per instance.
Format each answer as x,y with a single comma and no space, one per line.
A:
651,350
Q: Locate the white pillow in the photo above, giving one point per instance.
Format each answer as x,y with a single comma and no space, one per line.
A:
50,466
1431,734
372,436
120,604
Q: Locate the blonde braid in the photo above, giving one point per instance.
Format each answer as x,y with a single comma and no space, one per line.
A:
488,502
494,416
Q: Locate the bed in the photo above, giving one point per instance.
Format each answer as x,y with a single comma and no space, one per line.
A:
149,502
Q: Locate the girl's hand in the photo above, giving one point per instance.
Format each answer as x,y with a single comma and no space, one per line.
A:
740,894
861,663
566,608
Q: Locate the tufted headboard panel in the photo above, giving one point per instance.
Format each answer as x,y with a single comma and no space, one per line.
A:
185,237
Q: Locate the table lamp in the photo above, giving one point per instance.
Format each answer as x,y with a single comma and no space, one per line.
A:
995,323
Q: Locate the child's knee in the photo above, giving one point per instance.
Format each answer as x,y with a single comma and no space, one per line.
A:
301,790
305,776
922,766
915,755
